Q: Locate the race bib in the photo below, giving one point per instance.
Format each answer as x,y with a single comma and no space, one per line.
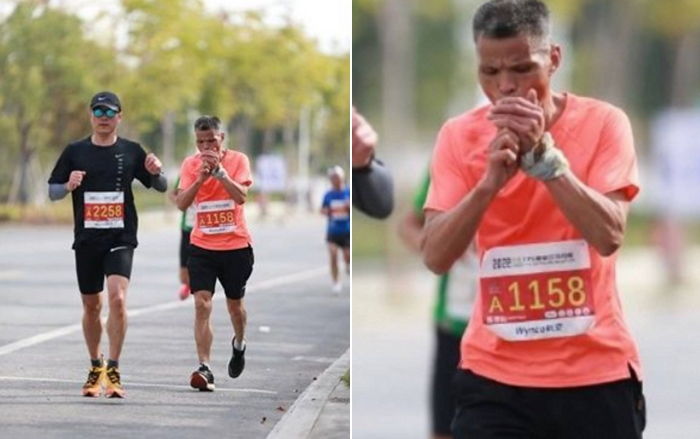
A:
340,209
537,291
214,217
103,210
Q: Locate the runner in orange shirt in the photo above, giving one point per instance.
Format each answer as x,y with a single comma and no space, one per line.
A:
542,181
217,181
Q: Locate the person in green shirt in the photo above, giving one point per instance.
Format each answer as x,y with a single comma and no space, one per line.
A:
455,296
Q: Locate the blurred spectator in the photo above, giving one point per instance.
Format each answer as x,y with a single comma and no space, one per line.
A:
675,161
271,178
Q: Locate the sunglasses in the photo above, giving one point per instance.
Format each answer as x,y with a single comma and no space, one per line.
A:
100,112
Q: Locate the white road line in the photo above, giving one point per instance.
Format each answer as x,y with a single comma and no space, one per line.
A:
39,338
132,384
259,286
11,274
325,360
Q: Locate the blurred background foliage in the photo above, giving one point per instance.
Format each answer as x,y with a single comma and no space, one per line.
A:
169,61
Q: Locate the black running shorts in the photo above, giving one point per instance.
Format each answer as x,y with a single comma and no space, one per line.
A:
342,241
93,263
231,267
444,366
487,409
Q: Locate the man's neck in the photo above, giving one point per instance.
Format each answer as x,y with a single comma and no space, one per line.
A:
553,108
103,139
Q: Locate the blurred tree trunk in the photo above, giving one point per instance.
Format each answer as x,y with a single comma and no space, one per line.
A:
241,132
268,140
398,72
167,126
686,69
616,45
288,132
303,184
26,155
290,146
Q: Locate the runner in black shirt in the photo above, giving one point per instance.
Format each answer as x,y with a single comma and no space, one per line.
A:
98,171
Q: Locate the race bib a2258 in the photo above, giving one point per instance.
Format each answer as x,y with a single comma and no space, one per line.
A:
103,210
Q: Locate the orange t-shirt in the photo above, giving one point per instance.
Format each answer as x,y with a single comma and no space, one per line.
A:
220,222
548,312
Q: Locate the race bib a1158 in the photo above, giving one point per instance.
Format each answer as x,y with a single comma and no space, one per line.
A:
214,217
537,291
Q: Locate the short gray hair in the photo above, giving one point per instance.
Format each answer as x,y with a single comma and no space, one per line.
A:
510,18
206,123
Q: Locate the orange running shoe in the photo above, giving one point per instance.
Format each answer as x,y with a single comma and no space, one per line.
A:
95,381
113,383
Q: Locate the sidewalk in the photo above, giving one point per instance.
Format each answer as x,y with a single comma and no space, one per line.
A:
334,420
322,411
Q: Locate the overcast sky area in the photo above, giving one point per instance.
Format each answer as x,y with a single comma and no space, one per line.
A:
327,21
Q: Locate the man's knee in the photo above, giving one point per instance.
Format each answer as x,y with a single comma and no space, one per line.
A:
117,307
92,307
116,290
202,304
236,307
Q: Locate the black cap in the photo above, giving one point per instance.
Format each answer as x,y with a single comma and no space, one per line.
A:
106,99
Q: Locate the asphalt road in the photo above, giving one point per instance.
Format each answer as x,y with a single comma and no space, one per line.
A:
296,329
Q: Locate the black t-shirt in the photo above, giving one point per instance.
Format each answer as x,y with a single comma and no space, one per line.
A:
109,170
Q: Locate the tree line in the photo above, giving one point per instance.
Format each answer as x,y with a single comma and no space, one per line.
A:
169,61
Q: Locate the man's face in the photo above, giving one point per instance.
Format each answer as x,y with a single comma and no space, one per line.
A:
209,140
509,67
336,181
102,123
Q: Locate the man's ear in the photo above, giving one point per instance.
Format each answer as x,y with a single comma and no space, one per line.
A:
554,58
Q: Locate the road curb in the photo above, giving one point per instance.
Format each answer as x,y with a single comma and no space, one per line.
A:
301,417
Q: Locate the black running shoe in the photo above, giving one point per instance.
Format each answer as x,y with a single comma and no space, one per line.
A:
202,379
237,363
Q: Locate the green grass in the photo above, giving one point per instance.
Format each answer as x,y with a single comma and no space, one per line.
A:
346,378
369,237
61,212
638,232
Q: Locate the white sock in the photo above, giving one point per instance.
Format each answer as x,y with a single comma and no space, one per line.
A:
238,344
